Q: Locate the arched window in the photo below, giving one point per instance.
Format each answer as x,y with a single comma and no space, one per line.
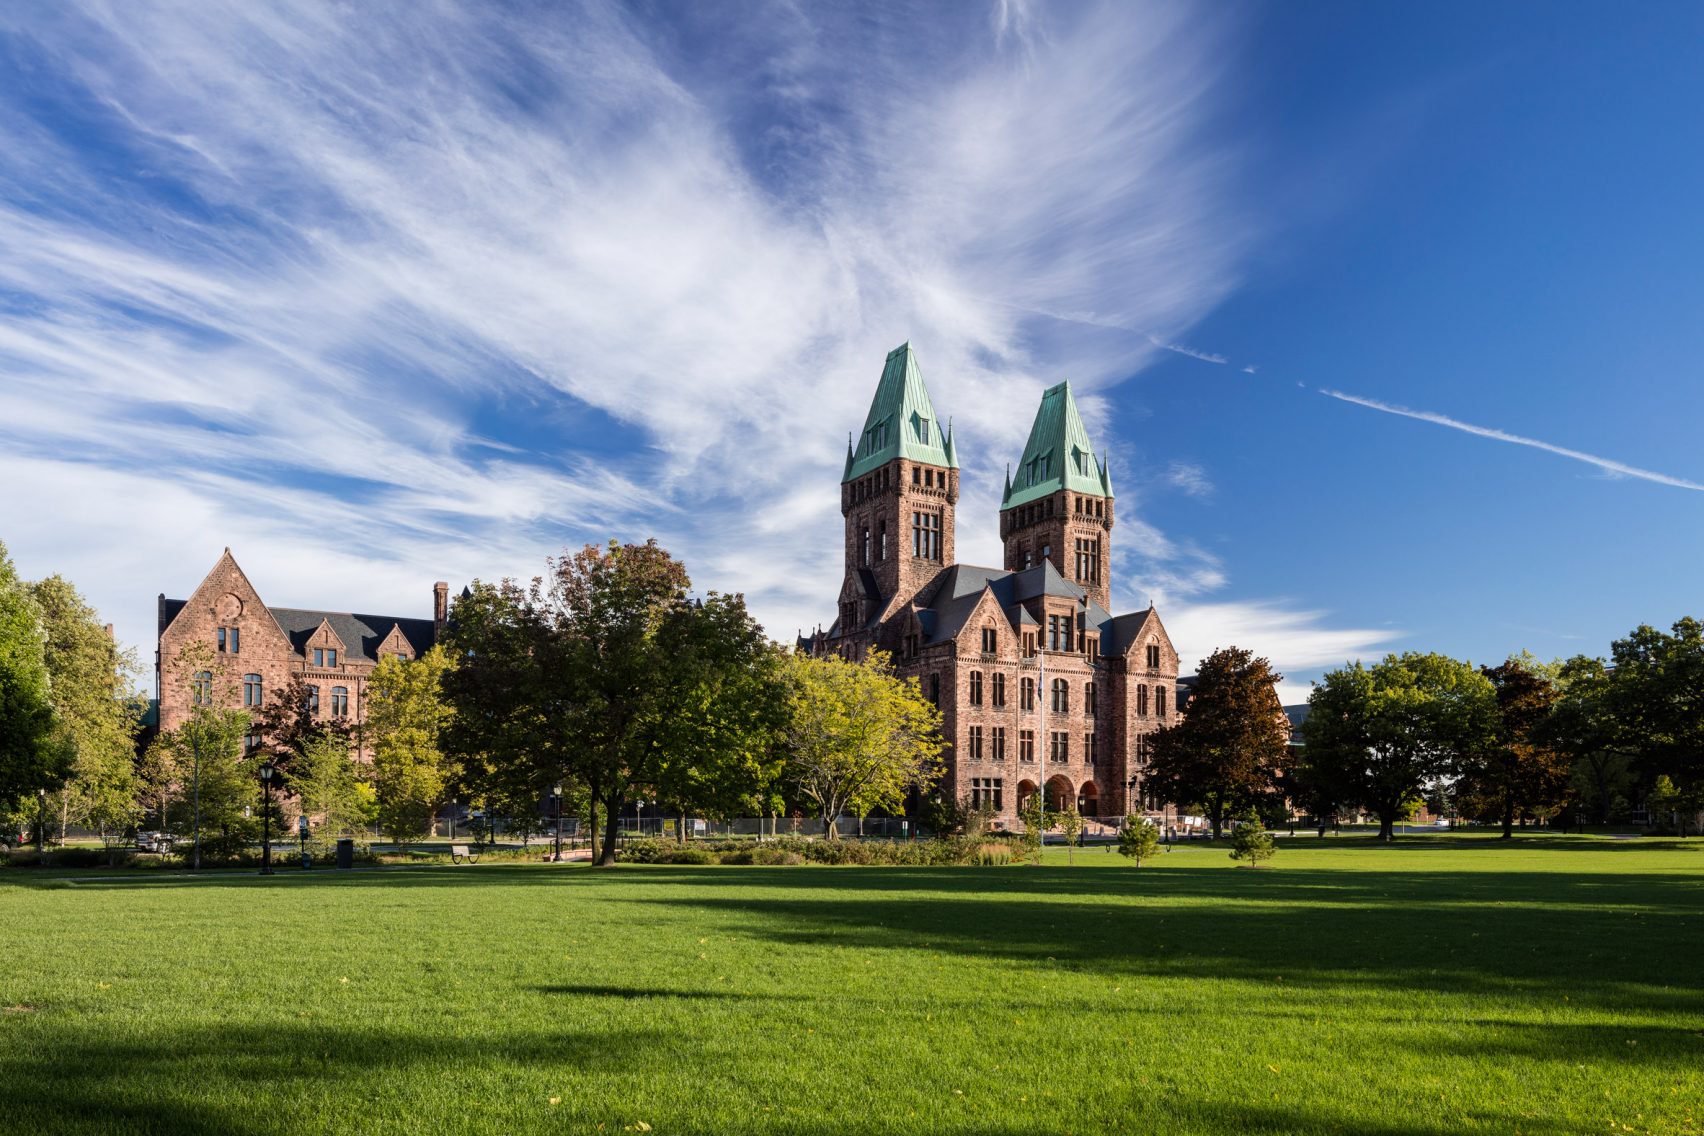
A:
202,689
251,690
340,702
313,700
1061,696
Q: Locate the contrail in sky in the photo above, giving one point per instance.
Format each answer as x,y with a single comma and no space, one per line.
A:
1614,467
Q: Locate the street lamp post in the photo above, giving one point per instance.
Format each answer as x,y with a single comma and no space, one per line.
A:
41,823
266,771
557,793
452,820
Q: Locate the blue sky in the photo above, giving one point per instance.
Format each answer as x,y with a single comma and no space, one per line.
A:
1387,314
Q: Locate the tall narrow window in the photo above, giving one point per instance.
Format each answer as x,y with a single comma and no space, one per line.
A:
222,639
1089,699
999,743
999,690
201,690
976,688
1160,701
251,690
1142,700
976,743
313,700
1060,746
1026,694
340,702
331,657
1026,745
319,656
1090,754
926,535
1153,656
866,546
1029,644
990,641
881,549
1061,696
935,689
236,639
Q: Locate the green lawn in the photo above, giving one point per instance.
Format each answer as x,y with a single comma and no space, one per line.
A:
1442,985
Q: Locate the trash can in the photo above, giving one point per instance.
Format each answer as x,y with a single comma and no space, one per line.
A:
346,853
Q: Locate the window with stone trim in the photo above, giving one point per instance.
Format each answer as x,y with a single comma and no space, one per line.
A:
313,699
1029,644
1060,746
997,743
201,688
865,543
340,702
1089,699
1088,560
976,688
1153,656
988,793
990,641
230,640
881,550
1061,696
1026,745
976,743
1142,700
935,689
1026,693
999,693
926,535
1159,702
252,690
1090,753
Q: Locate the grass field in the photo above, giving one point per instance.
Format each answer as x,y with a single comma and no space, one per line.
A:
1443,985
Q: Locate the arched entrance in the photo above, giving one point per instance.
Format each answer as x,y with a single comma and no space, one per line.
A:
1088,799
1060,795
1026,790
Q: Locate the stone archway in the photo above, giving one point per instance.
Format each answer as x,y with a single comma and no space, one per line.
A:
1088,799
1060,793
1026,790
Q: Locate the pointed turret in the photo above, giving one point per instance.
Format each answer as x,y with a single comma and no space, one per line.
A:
1058,455
902,422
1057,507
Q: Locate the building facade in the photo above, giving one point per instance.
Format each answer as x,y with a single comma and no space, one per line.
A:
1037,682
225,645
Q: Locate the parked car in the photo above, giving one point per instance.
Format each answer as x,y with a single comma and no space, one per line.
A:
153,842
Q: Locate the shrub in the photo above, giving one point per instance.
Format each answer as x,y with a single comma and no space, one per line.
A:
646,850
1138,839
776,857
690,855
1252,842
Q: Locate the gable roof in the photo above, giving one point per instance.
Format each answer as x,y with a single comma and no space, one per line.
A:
1058,454
958,589
902,422
361,634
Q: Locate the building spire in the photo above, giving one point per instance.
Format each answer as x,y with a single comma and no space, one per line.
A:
902,422
1058,454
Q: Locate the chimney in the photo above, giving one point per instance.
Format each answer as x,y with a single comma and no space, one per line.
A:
111,638
440,605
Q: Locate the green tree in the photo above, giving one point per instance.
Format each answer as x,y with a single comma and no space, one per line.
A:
1138,840
1656,690
1515,773
1584,726
287,726
857,736
1037,818
606,672
94,695
1070,824
222,787
1383,734
1252,842
1225,751
407,715
36,752
328,785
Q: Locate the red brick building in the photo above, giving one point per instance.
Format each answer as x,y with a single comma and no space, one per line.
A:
1038,683
253,650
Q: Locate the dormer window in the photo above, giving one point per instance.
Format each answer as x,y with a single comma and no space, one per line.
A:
922,425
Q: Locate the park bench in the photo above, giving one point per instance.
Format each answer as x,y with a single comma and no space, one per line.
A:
460,852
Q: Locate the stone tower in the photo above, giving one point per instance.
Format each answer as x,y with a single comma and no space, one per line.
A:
898,494
1058,502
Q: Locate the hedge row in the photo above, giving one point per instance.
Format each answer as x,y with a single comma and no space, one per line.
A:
786,850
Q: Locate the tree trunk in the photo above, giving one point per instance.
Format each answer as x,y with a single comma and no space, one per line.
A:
612,830
1218,820
1387,825
828,830
1508,818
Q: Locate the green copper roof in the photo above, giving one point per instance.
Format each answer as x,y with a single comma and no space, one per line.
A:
901,422
1058,455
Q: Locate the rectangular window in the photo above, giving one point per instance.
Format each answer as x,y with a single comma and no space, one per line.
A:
990,641
251,742
1026,694
883,548
251,690
1029,644
236,640
319,656
340,702
1026,745
999,743
313,700
1153,656
987,793
1089,699
331,657
999,690
935,689
1142,700
1053,633
926,535
221,639
976,743
866,546
1061,696
1159,702
1089,753
976,688
999,794
1060,744
911,647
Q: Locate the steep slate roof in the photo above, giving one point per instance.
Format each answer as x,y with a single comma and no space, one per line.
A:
958,589
361,634
1121,631
1058,454
902,422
